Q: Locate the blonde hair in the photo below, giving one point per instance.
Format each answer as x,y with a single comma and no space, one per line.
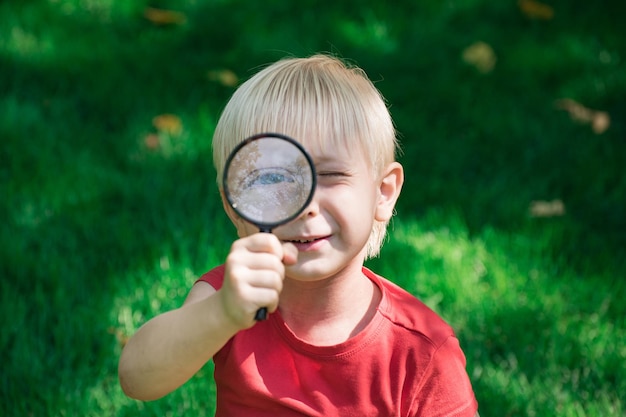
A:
316,98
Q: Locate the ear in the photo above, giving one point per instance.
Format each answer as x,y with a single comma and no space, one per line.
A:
389,190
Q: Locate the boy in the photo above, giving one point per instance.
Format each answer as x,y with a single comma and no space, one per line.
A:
339,340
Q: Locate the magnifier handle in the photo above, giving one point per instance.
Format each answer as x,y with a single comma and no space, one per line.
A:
261,313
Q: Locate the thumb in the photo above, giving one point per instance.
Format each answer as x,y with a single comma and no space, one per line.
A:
290,254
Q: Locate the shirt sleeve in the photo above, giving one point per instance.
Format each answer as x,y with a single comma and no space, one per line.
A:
215,277
445,388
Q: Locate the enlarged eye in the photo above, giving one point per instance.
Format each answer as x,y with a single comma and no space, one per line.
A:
268,176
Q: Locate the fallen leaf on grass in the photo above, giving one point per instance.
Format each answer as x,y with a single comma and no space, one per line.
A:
151,141
481,56
225,77
120,336
536,10
164,17
552,208
600,121
168,123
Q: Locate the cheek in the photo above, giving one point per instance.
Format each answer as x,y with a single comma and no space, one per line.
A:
244,228
356,203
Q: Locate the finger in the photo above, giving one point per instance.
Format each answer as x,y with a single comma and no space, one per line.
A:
267,298
266,279
290,254
262,242
246,290
242,309
254,261
266,294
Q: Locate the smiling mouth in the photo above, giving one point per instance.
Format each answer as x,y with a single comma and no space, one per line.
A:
305,240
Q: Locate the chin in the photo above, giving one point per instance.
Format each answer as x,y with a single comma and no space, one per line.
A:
319,269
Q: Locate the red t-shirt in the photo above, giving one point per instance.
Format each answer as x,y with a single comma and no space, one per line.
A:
406,362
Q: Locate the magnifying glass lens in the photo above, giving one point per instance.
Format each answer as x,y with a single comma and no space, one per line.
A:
269,179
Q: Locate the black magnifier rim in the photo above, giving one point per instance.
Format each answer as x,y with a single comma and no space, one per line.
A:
264,226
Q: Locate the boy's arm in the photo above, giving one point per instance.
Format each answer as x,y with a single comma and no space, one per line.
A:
169,349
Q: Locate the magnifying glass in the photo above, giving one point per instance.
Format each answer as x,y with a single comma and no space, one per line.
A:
269,179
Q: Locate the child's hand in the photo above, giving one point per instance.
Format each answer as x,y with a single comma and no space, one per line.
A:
255,269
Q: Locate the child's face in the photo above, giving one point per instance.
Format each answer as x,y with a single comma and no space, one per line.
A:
333,230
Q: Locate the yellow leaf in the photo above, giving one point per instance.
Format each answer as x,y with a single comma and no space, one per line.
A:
225,77
600,121
547,208
151,141
164,17
481,56
122,337
168,123
536,10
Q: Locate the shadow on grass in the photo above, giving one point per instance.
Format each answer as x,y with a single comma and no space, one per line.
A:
64,274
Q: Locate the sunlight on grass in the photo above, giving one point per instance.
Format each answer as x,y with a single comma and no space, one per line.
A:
104,10
529,346
444,251
23,37
151,292
20,42
147,293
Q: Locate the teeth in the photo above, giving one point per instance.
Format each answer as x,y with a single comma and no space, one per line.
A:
303,241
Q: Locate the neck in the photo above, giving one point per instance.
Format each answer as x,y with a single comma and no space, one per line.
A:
330,311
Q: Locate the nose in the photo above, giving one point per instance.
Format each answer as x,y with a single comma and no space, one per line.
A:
312,210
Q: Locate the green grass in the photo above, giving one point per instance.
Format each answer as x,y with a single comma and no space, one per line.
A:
101,232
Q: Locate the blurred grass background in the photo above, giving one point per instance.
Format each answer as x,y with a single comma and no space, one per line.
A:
511,224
